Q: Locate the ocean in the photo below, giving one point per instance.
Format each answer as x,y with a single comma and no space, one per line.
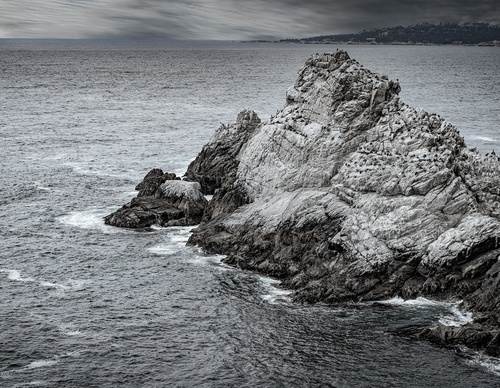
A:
88,305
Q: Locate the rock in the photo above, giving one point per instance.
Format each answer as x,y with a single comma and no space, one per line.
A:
142,212
184,196
163,200
470,335
216,165
152,182
349,194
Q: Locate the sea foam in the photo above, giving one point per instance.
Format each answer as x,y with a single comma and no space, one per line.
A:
15,275
274,295
486,138
89,219
177,238
41,363
454,318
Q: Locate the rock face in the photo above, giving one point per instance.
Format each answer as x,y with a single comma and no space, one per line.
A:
217,163
349,194
163,200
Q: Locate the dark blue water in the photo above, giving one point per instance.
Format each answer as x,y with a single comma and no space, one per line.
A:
87,305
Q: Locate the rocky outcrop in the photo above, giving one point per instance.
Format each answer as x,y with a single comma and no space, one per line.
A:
163,200
217,163
152,181
349,194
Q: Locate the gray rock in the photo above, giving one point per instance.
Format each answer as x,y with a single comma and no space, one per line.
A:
152,182
163,200
216,165
347,193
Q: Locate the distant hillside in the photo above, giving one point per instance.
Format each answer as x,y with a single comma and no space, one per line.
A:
443,33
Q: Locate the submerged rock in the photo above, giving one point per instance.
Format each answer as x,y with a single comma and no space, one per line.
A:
349,194
163,200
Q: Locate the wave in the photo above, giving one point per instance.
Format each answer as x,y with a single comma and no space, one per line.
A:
69,329
70,285
49,285
479,360
38,186
41,363
454,318
274,295
211,260
486,138
457,317
32,365
180,235
418,302
164,249
15,275
85,169
177,238
90,219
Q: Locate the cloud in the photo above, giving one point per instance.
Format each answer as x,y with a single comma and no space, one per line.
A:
227,19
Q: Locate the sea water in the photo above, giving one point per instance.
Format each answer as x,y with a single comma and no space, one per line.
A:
88,305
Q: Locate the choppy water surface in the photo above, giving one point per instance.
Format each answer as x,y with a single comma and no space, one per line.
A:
87,305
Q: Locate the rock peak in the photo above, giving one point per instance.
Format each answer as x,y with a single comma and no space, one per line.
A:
332,87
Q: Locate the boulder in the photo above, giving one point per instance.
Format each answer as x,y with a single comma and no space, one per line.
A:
152,182
163,200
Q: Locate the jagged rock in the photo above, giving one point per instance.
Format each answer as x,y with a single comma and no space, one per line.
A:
216,165
347,193
142,212
470,335
163,200
152,182
184,196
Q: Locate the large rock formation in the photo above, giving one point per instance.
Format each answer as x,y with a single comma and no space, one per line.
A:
349,194
163,200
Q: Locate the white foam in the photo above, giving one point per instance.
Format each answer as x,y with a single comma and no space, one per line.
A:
56,286
177,236
69,329
73,333
457,318
164,249
41,364
70,285
85,169
39,186
275,294
180,235
486,138
212,260
418,302
16,275
489,364
90,219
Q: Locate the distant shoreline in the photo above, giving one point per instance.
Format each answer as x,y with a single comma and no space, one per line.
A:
486,44
425,34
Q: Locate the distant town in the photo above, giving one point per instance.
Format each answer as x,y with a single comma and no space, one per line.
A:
482,34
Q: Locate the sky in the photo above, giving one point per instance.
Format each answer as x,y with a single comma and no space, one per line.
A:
227,19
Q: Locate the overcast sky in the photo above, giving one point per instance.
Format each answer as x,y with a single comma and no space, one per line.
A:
227,19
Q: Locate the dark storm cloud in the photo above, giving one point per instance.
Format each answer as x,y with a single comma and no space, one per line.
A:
228,19
343,16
